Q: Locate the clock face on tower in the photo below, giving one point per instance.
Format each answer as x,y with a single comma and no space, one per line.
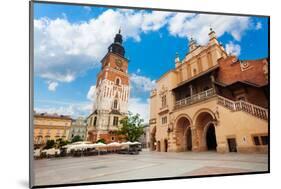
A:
118,62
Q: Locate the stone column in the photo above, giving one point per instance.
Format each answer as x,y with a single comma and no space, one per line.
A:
173,98
194,139
191,90
213,84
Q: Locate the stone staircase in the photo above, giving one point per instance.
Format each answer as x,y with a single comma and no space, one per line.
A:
247,107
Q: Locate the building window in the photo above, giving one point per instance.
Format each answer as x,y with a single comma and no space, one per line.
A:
39,139
115,104
194,71
260,140
264,140
115,121
256,141
164,120
163,101
112,138
95,121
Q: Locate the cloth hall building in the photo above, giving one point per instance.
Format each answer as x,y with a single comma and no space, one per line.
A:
211,101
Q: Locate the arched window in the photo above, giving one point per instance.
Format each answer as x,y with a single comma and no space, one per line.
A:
115,104
95,121
117,81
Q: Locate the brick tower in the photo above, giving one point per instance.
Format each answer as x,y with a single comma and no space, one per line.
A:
112,93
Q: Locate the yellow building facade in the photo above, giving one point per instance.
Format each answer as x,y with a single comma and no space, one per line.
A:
210,101
50,127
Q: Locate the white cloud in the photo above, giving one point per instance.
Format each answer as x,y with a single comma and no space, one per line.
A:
142,83
91,93
197,26
52,85
138,70
136,105
72,109
63,50
233,49
258,26
155,20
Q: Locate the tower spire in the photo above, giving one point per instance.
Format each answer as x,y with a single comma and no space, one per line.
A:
116,47
192,44
212,33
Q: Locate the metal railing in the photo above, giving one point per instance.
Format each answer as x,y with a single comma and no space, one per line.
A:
240,105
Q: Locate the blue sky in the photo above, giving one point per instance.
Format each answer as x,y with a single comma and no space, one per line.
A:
70,41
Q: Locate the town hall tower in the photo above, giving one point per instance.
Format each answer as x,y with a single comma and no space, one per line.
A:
112,94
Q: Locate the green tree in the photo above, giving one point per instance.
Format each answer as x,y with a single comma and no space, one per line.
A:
60,142
76,138
101,141
132,127
49,144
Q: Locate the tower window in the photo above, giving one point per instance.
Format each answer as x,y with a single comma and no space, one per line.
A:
95,121
163,101
115,104
117,81
164,120
115,121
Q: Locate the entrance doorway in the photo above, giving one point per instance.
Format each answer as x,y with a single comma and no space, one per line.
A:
183,134
211,138
232,144
166,145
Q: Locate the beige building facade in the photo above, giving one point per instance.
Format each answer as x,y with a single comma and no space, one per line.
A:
50,127
211,101
78,128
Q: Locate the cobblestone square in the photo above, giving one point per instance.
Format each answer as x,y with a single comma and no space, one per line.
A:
115,167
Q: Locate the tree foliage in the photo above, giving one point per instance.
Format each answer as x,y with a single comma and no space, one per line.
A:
60,142
132,127
76,138
100,141
49,144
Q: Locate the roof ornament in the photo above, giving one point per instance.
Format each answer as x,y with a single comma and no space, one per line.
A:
212,33
177,59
